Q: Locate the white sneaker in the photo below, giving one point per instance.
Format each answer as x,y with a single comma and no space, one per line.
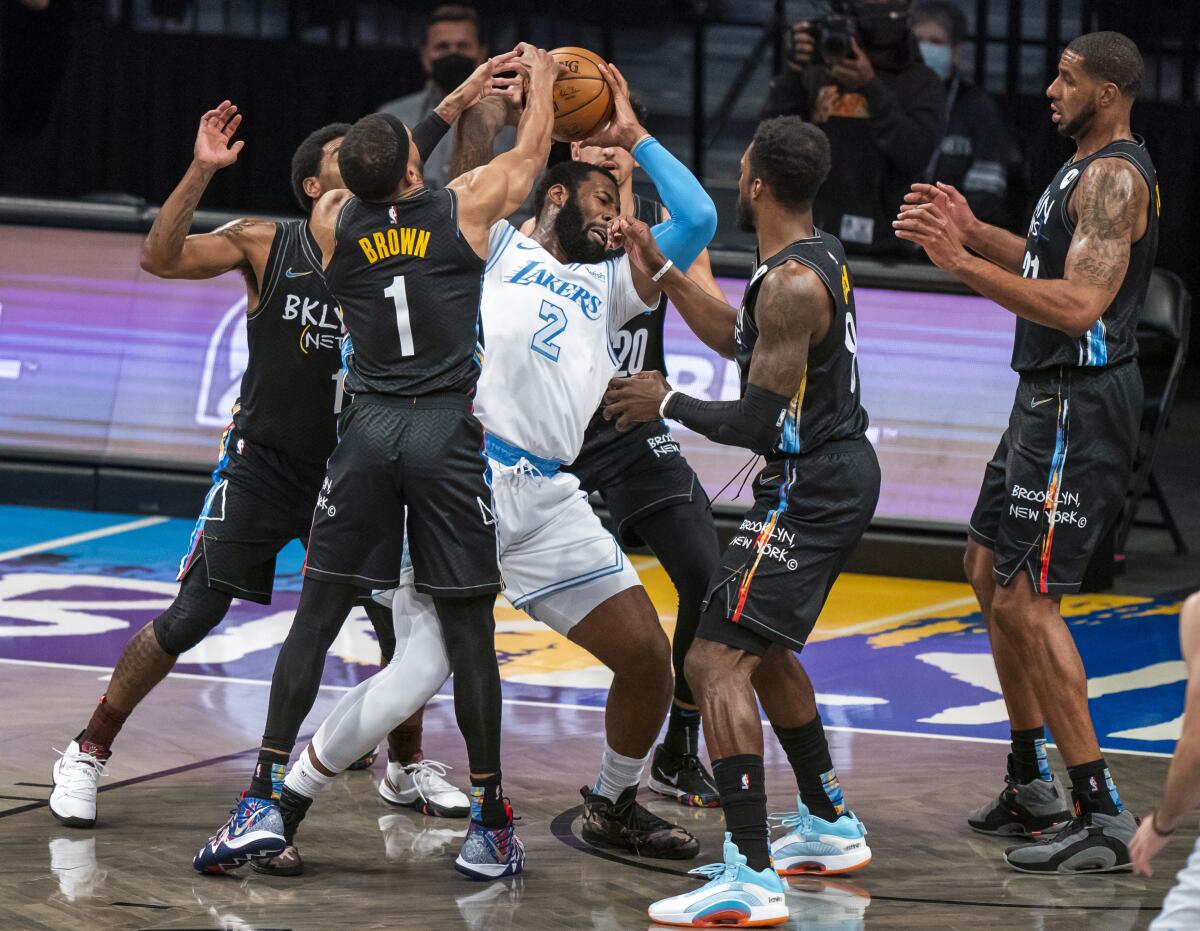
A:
421,786
73,799
814,845
734,895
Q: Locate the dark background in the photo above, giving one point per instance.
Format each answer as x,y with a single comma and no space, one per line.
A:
104,96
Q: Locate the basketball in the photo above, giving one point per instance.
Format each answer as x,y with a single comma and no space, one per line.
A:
583,101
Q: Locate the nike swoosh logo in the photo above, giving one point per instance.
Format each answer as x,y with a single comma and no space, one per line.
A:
1041,402
292,274
522,245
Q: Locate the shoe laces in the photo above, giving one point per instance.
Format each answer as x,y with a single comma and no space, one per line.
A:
82,770
715,872
427,777
637,817
792,820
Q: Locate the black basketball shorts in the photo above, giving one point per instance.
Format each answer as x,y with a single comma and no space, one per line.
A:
809,514
260,500
419,459
1057,482
636,473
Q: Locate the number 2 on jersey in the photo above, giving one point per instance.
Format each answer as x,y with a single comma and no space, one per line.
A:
543,339
403,324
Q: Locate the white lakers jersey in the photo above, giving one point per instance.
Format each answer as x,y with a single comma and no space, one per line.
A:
548,334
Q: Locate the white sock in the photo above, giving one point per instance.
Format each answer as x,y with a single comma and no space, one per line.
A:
304,778
618,773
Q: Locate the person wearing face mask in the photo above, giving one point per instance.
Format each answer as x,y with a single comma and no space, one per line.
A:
975,148
453,48
880,107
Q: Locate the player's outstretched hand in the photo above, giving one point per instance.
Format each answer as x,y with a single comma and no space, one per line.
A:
536,63
485,79
623,129
213,149
635,399
954,205
634,236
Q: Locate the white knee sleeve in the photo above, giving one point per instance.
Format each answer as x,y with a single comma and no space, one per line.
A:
418,669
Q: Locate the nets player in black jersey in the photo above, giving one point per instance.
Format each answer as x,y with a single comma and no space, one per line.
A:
653,496
404,264
272,457
793,340
1077,284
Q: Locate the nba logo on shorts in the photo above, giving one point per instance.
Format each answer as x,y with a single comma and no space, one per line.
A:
224,363
392,215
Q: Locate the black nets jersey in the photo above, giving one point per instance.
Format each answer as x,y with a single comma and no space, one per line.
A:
290,385
827,406
408,284
639,344
1112,339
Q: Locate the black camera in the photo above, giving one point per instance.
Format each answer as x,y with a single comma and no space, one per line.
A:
832,34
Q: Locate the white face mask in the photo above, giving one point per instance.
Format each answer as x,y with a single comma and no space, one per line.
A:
939,58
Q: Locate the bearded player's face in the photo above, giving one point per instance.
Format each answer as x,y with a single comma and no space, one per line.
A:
582,222
1073,96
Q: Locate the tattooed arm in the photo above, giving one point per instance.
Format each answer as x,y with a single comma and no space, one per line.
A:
169,252
1110,204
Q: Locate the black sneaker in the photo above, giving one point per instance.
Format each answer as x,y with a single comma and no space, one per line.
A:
293,807
626,825
683,778
1029,808
1092,843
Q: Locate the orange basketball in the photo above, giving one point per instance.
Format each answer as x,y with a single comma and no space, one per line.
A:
583,101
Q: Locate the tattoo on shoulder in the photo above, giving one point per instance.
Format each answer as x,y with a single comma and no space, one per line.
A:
1108,212
241,227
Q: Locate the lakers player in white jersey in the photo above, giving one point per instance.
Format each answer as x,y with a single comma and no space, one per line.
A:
552,303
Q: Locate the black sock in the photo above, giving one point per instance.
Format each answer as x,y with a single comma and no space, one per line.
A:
1029,755
817,780
683,732
268,775
487,802
1093,789
742,784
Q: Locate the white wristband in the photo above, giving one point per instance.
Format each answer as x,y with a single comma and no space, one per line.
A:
662,271
662,408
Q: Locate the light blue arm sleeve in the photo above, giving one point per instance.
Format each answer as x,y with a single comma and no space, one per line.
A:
693,215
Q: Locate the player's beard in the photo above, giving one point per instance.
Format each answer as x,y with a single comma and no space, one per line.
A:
1077,126
745,215
573,236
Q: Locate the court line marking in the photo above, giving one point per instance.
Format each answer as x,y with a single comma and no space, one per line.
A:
74,538
831,632
534,703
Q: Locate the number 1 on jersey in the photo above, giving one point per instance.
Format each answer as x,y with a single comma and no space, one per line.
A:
403,324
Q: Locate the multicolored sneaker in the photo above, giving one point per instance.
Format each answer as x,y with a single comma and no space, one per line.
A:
366,761
1023,808
682,778
489,853
422,786
254,831
734,896
814,845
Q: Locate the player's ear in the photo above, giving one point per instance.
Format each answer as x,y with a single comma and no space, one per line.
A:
1109,94
312,187
576,148
558,194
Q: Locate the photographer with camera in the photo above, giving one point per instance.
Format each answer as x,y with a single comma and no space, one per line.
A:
857,73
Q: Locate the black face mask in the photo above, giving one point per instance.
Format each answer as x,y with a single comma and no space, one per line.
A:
573,236
449,71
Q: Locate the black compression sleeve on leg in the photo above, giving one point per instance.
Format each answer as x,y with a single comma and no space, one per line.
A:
196,610
385,629
684,539
469,629
428,133
297,678
752,422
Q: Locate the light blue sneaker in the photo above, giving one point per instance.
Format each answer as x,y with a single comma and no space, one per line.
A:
489,853
254,831
734,895
814,845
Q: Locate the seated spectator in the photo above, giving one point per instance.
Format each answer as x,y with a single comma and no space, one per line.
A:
974,150
881,109
453,49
